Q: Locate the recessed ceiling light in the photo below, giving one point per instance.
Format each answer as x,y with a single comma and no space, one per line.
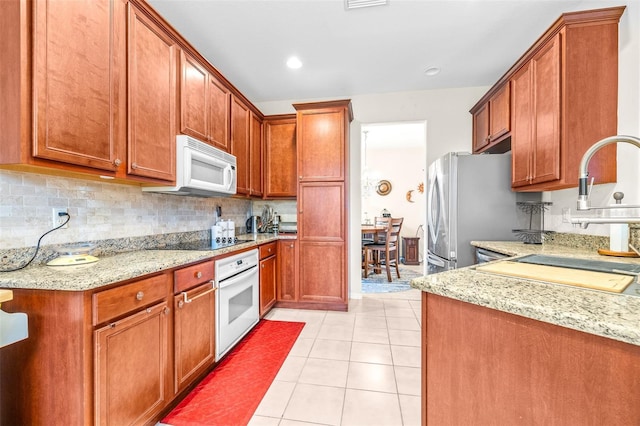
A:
431,71
294,63
357,4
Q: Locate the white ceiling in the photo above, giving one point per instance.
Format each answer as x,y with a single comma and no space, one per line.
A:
363,51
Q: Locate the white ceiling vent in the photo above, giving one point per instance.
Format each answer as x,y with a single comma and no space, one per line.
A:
357,4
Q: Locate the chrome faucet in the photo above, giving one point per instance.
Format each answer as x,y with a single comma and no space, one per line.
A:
607,214
583,191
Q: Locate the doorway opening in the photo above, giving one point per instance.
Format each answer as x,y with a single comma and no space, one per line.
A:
393,181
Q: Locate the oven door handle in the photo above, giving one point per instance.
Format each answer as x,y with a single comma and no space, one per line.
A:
237,278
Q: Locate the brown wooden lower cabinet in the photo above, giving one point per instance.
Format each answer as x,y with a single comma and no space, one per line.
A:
132,368
482,366
287,287
117,355
268,270
194,339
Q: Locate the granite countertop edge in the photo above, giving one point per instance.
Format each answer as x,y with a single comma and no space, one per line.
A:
595,312
116,268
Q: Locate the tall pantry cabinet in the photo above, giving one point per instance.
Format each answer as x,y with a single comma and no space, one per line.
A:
322,158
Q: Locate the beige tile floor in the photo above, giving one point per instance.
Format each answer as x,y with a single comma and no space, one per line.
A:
356,368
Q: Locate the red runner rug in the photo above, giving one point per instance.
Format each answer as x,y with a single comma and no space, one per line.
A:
230,394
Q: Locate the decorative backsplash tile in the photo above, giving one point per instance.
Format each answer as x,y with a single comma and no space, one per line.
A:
99,210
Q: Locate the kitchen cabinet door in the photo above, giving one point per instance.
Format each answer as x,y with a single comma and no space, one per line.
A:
152,99
240,122
546,116
492,121
321,212
287,284
132,368
194,336
79,65
219,114
536,118
321,153
280,168
194,84
481,128
322,272
255,157
268,269
522,127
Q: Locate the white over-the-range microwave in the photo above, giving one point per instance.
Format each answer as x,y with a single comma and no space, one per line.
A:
201,170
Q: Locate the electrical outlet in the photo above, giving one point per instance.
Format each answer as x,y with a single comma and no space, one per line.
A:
57,219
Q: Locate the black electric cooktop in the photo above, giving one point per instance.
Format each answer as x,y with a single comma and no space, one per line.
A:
204,244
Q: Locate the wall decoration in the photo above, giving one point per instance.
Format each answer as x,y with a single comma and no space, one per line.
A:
421,187
409,193
383,187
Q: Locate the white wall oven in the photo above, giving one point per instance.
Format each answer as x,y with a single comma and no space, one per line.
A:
237,309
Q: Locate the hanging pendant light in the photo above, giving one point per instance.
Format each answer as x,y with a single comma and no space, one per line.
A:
368,179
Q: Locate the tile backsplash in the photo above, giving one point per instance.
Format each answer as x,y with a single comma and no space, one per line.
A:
99,210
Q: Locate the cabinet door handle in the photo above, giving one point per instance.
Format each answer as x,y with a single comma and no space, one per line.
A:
185,297
139,295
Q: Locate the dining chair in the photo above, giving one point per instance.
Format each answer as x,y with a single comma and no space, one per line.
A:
379,236
384,253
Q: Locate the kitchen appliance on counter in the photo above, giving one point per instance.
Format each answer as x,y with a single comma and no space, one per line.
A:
469,198
75,254
288,227
253,224
237,311
201,170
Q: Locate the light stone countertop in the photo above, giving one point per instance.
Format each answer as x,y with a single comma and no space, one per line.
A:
615,316
119,267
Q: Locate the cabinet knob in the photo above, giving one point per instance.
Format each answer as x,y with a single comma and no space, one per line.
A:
198,274
117,162
134,166
291,245
300,177
269,249
262,266
180,304
166,310
139,295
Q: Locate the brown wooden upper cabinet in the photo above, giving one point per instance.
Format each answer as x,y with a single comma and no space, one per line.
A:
280,168
491,120
536,120
255,156
77,114
563,99
153,60
240,116
112,86
204,104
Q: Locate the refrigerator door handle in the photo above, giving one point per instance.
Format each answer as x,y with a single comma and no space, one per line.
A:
435,260
434,205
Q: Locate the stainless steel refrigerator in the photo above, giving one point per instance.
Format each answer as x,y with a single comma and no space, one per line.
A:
469,198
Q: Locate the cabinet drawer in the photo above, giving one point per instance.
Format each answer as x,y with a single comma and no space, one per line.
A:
187,278
267,250
118,301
